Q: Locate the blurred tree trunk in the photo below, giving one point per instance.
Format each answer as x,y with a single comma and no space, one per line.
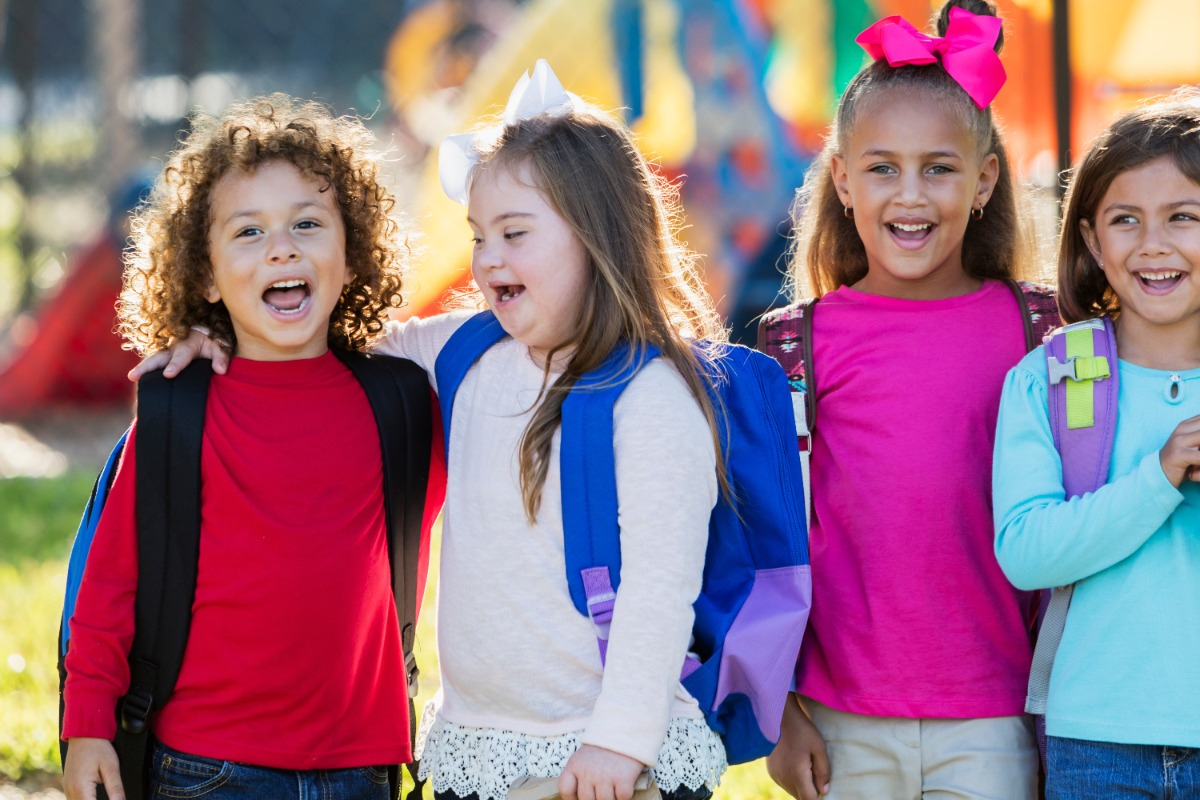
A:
115,46
24,64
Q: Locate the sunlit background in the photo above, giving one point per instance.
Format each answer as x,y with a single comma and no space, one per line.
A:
730,97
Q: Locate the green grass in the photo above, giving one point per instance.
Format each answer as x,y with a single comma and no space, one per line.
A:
38,517
37,522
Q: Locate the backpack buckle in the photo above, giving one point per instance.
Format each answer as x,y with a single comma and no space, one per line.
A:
135,710
1078,369
411,672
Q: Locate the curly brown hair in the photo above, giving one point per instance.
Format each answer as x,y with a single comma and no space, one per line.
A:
167,269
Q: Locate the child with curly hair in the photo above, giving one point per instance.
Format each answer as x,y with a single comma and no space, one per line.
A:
270,227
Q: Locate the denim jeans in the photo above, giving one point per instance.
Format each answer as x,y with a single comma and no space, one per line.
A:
682,793
1081,770
178,776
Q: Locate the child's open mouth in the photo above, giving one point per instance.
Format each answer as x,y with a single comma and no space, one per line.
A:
1160,282
506,293
287,297
911,232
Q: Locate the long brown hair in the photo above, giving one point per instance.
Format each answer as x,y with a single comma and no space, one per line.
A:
645,287
1168,127
167,271
826,249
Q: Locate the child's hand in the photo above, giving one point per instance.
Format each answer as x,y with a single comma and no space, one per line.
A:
92,763
180,354
595,773
799,763
1180,456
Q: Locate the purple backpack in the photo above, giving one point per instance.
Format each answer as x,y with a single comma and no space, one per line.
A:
1081,363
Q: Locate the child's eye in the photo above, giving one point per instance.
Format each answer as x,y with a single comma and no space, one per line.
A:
514,234
1184,216
476,241
249,230
881,169
1123,219
940,169
306,224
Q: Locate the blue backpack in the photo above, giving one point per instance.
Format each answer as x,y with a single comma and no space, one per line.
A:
753,605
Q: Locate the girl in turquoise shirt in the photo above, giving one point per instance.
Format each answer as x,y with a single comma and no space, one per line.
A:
1123,710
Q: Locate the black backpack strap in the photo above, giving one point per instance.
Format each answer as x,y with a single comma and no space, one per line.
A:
1018,291
808,307
170,426
400,397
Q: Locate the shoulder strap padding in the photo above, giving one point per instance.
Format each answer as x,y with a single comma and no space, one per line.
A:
464,347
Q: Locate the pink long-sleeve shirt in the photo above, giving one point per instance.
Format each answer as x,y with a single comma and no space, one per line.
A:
911,614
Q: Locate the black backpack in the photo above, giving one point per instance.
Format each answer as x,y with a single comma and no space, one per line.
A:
171,417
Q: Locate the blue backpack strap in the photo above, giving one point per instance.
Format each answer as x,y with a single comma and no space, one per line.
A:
458,355
1081,361
83,539
591,534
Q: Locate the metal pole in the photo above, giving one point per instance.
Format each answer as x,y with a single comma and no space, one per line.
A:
116,50
1062,87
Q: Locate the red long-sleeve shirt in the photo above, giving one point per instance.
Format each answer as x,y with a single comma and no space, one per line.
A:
294,657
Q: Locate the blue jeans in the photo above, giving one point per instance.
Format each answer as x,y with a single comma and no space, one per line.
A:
1083,770
177,776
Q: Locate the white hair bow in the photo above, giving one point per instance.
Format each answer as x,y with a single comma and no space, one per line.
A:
539,93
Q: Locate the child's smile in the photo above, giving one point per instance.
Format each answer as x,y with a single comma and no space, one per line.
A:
277,245
911,175
1146,237
528,262
288,297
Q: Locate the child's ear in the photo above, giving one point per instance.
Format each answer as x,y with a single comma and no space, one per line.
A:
1090,239
211,293
841,179
989,173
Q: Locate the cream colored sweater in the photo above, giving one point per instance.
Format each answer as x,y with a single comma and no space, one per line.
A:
514,653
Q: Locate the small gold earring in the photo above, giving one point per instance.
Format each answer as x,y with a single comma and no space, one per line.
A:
847,212
977,213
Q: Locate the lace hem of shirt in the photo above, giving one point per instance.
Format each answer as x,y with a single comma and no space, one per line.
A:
485,761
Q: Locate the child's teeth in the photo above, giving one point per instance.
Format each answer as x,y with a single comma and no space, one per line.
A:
1160,276
910,228
287,284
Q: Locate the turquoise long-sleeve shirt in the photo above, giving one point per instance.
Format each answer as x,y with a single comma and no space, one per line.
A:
1128,667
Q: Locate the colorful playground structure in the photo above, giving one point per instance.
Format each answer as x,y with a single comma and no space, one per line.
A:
729,97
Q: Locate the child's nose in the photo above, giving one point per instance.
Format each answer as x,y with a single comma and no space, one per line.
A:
486,256
910,189
282,248
1155,239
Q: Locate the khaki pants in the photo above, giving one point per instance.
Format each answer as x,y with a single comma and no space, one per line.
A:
934,759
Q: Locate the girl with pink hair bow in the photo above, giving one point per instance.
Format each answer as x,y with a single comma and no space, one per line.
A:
911,680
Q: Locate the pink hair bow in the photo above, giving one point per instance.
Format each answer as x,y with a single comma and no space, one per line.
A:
967,51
